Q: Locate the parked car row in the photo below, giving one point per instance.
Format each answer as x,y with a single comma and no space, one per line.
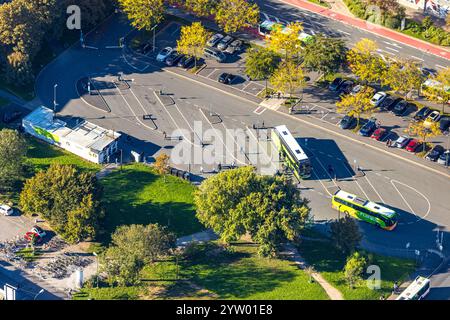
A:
172,57
225,44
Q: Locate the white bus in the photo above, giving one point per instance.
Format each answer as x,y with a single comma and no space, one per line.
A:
294,156
417,290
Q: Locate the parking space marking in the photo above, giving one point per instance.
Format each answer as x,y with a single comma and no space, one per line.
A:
210,74
379,196
393,181
259,110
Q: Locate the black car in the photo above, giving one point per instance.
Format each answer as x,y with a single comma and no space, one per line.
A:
173,58
186,62
434,154
400,108
444,124
347,122
422,114
9,117
335,85
388,103
368,128
346,86
226,78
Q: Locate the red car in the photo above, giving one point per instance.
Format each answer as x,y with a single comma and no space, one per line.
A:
29,234
378,134
413,145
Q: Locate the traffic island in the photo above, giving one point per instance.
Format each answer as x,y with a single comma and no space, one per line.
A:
89,93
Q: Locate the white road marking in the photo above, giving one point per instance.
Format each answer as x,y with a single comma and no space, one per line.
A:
210,74
417,191
392,49
441,67
344,32
266,16
379,196
420,59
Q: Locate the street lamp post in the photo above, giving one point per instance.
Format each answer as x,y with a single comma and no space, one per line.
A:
154,36
95,254
54,97
41,291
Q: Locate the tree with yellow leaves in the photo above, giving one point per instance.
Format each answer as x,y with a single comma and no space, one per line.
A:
162,164
423,131
143,14
403,76
364,62
288,78
286,40
357,105
234,15
439,90
201,8
192,40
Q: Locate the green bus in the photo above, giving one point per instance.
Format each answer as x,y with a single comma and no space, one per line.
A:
294,156
364,210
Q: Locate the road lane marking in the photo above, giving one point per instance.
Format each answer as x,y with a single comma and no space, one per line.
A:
392,49
418,192
441,67
344,32
379,196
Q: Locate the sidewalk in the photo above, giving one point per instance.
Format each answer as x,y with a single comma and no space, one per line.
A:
331,291
370,27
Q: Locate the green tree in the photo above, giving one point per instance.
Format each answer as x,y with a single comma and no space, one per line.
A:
288,78
324,54
365,62
12,154
201,8
423,131
354,268
131,248
192,40
439,90
67,198
345,234
261,63
357,105
236,202
286,40
143,14
234,15
403,76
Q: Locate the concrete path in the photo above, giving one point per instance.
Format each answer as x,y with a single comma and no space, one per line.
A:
203,236
293,255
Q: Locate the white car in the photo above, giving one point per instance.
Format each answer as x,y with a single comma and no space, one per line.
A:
378,98
356,89
39,231
402,141
6,210
163,54
214,40
433,117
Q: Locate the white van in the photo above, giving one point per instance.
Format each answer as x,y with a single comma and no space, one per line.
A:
6,210
214,54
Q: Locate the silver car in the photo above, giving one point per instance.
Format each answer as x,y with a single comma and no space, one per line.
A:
214,40
234,46
214,54
223,44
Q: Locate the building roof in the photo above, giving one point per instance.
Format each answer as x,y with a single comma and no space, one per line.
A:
84,134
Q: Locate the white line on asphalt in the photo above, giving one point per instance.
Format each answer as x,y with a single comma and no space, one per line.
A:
324,115
344,32
420,59
392,49
266,16
379,196
401,195
211,73
420,193
441,67
245,87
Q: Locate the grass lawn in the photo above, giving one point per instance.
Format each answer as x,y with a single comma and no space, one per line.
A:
137,195
218,274
330,262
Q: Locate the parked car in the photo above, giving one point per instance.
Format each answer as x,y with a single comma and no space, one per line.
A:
214,54
368,128
444,124
335,85
435,153
402,141
388,103
422,114
444,158
413,145
356,89
163,54
432,117
39,231
226,78
346,87
214,40
378,98
173,58
234,46
6,210
400,108
378,134
186,62
224,42
9,117
29,234
347,122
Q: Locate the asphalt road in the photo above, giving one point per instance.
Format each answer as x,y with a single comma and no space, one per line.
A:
419,195
314,23
440,284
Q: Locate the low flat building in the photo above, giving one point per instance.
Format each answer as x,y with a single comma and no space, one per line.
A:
83,138
439,8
